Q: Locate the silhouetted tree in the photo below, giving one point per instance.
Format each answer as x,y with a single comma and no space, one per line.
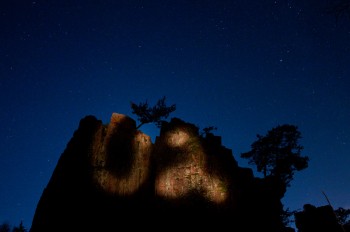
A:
342,215
5,227
339,9
20,228
207,130
146,114
277,154
286,215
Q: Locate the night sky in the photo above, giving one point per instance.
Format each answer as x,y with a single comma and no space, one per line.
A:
242,66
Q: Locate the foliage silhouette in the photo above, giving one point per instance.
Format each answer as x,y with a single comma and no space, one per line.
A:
5,227
207,130
342,215
277,154
339,9
155,114
286,215
20,228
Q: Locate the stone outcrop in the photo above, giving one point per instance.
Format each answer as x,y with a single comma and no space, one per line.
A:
186,166
120,157
314,218
111,177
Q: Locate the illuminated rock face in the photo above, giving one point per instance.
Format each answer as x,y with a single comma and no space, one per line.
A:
186,169
112,176
120,157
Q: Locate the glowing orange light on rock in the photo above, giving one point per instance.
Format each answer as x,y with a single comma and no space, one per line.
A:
141,146
177,138
190,175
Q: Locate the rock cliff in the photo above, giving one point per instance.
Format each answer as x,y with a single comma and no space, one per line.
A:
112,176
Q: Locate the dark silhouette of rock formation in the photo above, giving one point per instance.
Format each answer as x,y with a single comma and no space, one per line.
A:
317,219
111,177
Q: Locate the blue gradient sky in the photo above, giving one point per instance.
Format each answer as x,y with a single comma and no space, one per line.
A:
242,66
